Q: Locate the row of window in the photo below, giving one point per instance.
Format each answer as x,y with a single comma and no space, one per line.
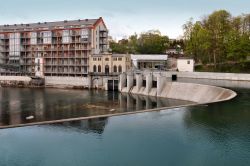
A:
115,69
107,59
95,59
115,59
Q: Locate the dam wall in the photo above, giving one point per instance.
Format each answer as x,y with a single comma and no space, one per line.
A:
157,84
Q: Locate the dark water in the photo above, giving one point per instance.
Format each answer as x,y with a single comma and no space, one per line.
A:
56,104
217,134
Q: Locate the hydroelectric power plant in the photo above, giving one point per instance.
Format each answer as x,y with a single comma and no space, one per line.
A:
188,130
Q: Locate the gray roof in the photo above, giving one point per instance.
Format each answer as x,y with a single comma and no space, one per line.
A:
113,55
64,23
149,57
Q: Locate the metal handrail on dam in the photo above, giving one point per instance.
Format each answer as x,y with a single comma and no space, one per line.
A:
155,84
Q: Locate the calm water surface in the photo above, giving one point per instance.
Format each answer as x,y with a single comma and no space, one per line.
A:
217,134
16,105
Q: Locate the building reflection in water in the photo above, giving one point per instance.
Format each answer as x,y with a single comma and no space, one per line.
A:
55,104
96,125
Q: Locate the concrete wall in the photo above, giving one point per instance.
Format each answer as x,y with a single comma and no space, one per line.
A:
207,75
176,90
195,92
67,81
203,75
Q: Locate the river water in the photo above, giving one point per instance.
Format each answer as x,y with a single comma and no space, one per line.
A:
214,134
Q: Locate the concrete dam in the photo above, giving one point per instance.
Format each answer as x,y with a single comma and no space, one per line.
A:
162,85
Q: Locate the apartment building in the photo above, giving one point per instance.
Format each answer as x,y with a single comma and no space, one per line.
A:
52,48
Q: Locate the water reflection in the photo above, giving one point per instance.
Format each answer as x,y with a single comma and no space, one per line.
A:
96,125
55,104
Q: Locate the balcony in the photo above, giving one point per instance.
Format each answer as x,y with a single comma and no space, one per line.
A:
103,42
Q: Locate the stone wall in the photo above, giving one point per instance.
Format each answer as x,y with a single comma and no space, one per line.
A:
15,78
15,81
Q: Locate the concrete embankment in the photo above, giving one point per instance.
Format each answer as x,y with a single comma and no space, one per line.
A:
155,84
15,81
58,82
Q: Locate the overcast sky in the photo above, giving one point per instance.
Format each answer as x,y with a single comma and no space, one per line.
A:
123,17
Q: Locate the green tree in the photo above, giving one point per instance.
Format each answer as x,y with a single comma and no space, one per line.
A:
218,26
152,42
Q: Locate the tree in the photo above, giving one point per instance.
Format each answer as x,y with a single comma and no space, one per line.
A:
218,37
218,25
152,43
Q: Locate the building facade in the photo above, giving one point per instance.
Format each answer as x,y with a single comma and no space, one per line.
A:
155,62
109,64
185,64
52,48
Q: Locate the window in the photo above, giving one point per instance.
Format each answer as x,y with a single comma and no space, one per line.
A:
115,69
66,36
107,69
94,59
99,68
47,37
33,40
114,59
99,59
94,68
106,59
188,62
120,69
84,34
119,59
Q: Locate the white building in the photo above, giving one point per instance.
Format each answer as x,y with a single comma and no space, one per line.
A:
185,64
149,61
